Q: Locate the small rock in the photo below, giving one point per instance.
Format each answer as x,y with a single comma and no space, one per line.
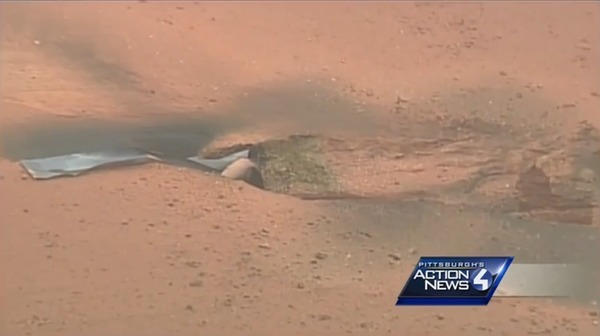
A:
567,106
265,246
321,255
400,100
395,256
412,251
197,283
366,325
584,45
324,317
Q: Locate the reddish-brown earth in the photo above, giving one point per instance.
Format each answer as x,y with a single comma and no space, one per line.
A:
434,110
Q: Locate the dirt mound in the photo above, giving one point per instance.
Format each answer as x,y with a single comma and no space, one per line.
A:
294,165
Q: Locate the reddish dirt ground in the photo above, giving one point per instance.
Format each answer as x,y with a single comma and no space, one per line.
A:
157,250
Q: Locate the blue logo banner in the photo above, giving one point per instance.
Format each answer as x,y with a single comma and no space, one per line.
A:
454,281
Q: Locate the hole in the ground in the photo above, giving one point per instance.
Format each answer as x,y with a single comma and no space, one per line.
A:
294,165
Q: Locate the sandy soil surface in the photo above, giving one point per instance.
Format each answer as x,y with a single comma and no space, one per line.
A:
439,119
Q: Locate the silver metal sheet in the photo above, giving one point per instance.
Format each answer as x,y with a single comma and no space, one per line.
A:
78,163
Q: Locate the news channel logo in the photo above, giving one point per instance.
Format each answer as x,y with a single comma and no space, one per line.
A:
454,281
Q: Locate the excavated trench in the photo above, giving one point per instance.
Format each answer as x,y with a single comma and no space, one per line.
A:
300,166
